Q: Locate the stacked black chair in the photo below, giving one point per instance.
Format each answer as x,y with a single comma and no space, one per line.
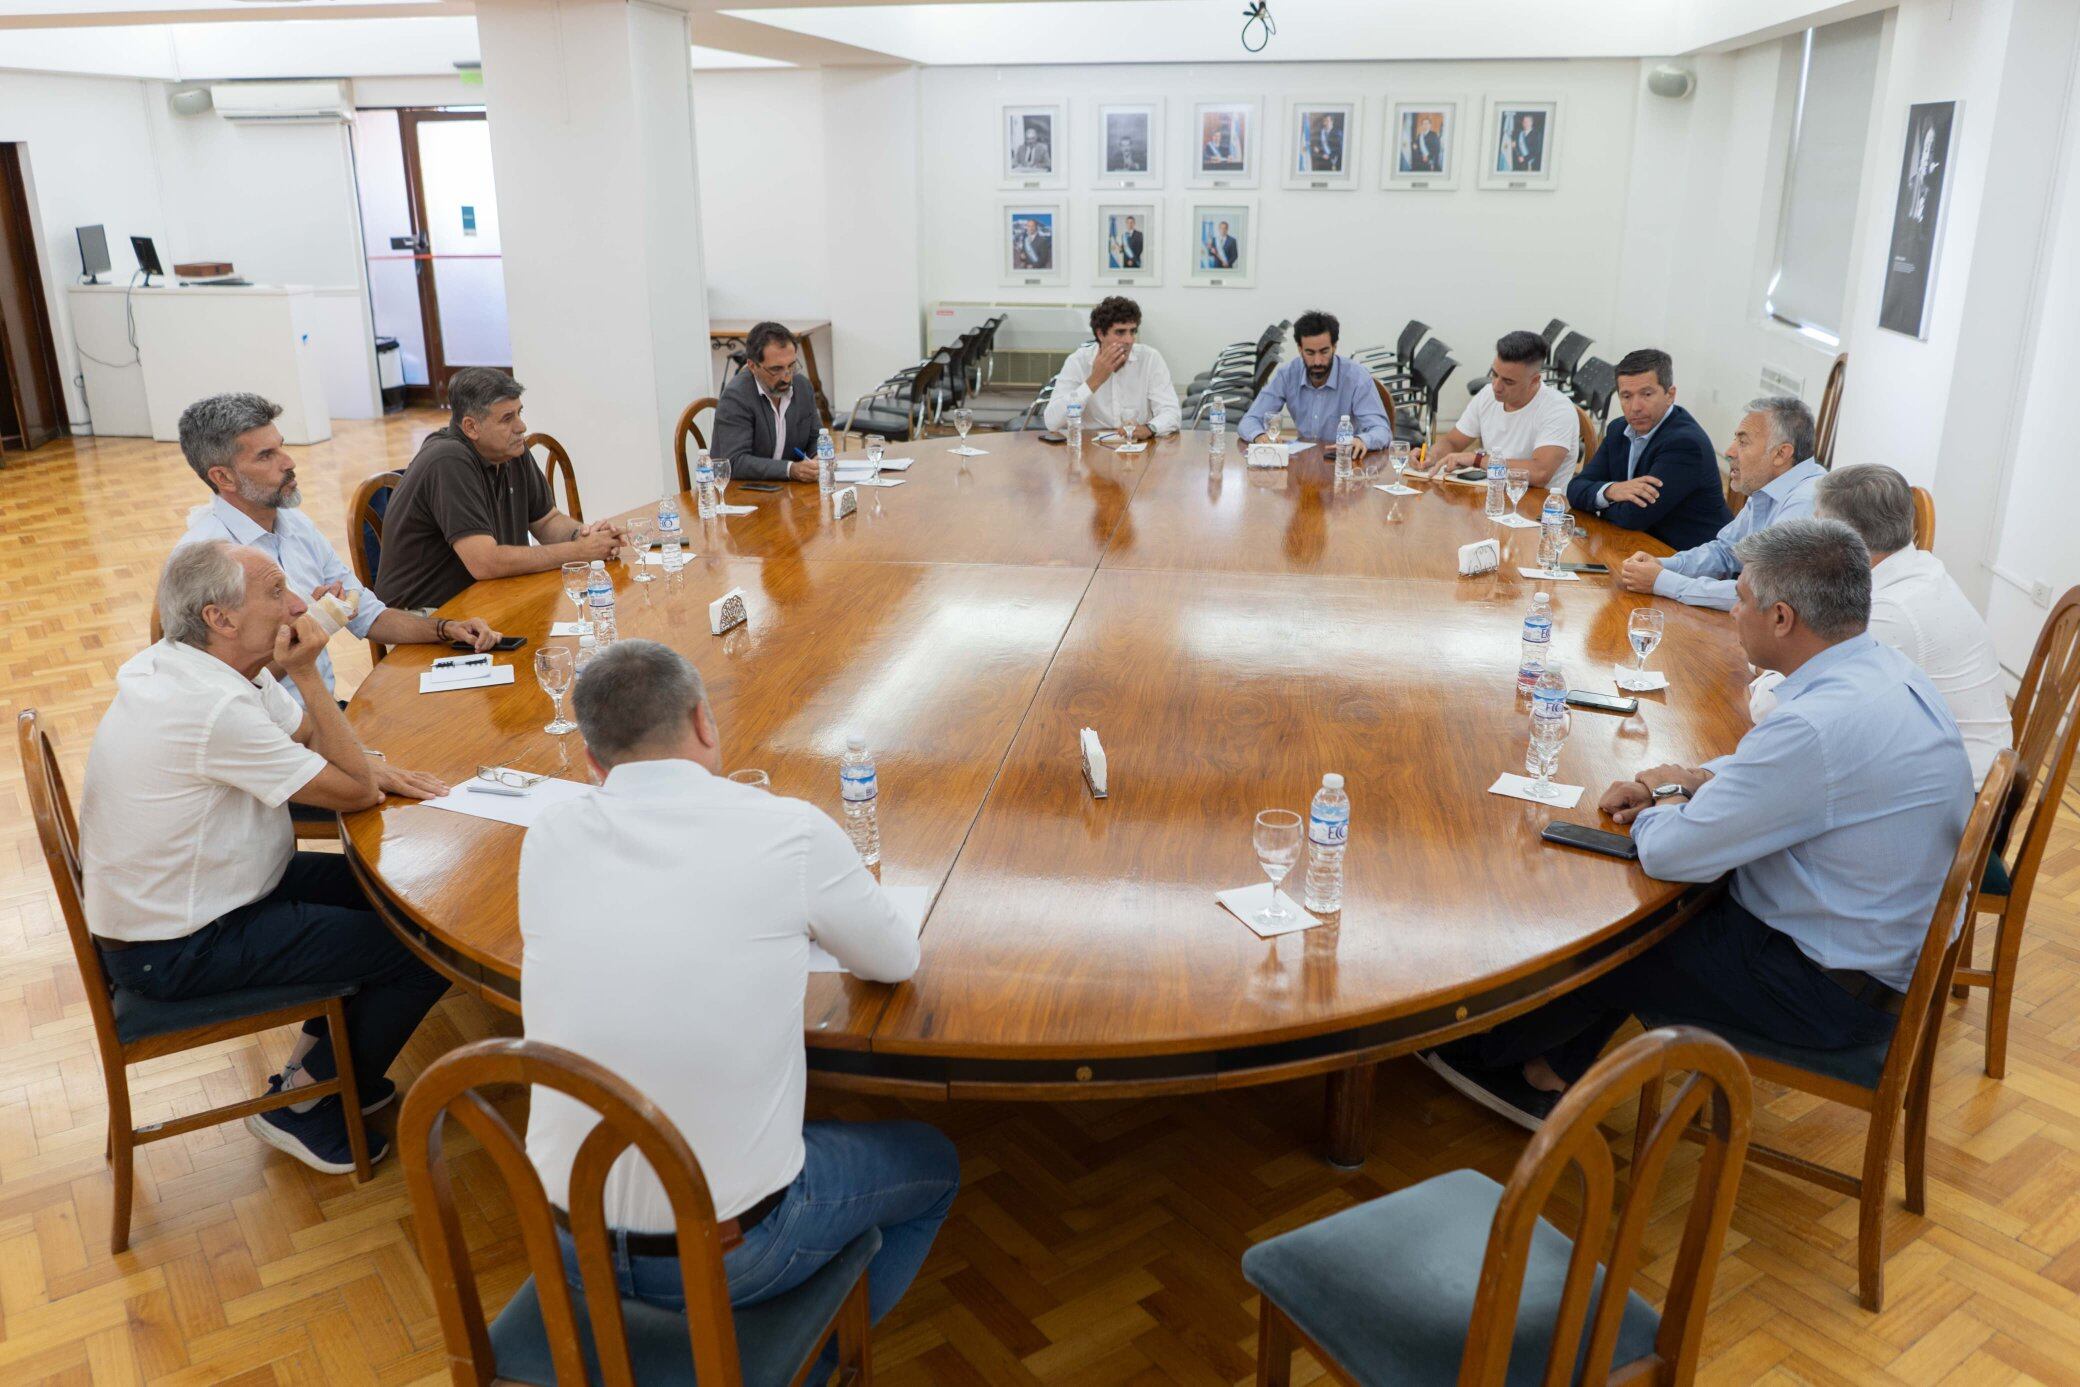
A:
1595,383
1560,366
897,408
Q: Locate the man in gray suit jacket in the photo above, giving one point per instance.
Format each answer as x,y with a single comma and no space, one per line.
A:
765,420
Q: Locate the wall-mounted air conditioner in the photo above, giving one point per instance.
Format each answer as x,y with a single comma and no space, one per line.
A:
282,102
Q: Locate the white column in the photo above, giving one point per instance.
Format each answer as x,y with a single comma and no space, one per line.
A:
590,104
872,137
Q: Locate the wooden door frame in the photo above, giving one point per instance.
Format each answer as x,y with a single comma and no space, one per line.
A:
37,308
409,119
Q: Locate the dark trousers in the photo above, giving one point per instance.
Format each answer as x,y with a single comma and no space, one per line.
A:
314,927
1724,968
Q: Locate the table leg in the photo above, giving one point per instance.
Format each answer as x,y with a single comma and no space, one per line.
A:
1347,1115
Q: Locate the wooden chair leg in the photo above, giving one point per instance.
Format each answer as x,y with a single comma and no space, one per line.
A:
1870,1212
1965,939
2007,958
855,1357
122,1140
1274,1346
349,1088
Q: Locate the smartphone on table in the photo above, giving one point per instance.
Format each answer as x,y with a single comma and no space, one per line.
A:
504,643
1591,840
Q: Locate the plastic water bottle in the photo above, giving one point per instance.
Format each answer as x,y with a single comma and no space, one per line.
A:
1537,648
1328,826
1548,706
588,647
856,780
599,600
826,462
1498,487
1073,427
1346,448
669,533
704,484
1555,529
1217,425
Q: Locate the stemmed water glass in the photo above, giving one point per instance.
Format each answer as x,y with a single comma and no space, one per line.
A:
720,468
755,778
1277,840
1643,628
1398,457
1518,482
1548,735
876,446
635,541
575,576
553,665
963,420
1127,424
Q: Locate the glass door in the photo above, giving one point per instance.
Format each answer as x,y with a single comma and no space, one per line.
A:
461,269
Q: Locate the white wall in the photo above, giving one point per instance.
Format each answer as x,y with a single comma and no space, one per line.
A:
765,195
873,126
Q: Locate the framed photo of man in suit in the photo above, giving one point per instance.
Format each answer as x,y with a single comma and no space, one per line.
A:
1522,151
1917,218
1130,144
1224,144
1035,244
1421,149
1223,245
1322,143
1129,248
1035,154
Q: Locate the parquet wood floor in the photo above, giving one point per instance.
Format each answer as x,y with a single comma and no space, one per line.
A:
1092,1244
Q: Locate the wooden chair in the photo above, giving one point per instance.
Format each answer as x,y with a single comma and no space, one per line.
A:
1924,519
365,536
559,465
1882,1077
1592,437
2047,726
538,1337
688,428
1830,411
1441,1282
129,1028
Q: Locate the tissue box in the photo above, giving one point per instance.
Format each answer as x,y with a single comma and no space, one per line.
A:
1481,556
844,502
726,611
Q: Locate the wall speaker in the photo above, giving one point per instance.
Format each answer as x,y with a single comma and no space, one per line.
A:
192,101
1672,82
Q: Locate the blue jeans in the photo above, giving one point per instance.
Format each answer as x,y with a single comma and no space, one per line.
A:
899,1177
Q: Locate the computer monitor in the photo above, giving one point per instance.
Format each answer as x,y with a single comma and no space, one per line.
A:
93,253
147,257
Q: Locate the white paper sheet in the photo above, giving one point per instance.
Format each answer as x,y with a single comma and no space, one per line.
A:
1515,787
520,810
860,464
1245,901
500,674
1561,577
911,902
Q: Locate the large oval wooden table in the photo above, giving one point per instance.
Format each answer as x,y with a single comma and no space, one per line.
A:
1231,635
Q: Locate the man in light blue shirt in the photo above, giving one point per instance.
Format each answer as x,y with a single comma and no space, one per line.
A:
1836,819
1318,388
1772,464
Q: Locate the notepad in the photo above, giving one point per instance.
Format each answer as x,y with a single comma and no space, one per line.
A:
911,903
444,680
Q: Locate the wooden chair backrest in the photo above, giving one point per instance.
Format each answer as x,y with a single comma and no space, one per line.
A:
364,520
688,428
1924,519
58,833
1386,402
2047,728
558,465
1830,411
1718,1096
450,1088
1592,437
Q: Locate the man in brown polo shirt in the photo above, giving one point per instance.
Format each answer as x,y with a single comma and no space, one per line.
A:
471,499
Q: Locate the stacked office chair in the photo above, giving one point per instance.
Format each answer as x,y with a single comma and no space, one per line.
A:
1565,357
1595,385
898,407
1238,372
1418,385
1400,356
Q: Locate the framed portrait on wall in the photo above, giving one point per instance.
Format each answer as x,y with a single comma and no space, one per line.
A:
1322,143
1130,144
1033,147
1520,147
1035,244
1129,245
1917,218
1421,155
1224,144
1222,243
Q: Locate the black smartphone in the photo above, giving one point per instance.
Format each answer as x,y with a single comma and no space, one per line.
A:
1585,568
759,486
1601,702
1471,474
1591,839
504,643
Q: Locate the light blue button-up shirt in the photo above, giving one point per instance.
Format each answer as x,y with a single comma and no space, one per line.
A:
305,556
1635,444
1838,814
1704,576
1316,408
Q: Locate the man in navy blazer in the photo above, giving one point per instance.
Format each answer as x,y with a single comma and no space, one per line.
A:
1658,473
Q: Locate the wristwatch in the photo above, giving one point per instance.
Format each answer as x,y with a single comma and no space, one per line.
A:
1668,791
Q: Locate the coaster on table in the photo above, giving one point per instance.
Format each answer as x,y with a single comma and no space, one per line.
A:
1518,787
1638,681
1245,901
1563,576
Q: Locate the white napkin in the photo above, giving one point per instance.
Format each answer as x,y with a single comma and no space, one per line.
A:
1245,901
1397,490
1540,573
735,510
964,451
1515,787
1516,522
565,628
657,560
499,674
1643,681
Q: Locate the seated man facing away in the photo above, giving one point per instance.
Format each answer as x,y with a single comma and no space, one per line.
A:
470,500
194,884
232,443
1518,418
1318,388
1116,377
766,420
1658,473
691,990
1837,817
1771,463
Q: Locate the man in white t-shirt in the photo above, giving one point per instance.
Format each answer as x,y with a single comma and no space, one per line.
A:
1516,417
194,886
1116,378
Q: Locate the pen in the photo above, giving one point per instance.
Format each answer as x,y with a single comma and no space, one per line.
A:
507,791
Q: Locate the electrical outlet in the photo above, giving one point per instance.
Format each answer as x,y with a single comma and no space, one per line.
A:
2040,593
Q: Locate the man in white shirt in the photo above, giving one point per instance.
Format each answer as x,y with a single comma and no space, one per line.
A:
691,989
1115,378
194,886
1518,418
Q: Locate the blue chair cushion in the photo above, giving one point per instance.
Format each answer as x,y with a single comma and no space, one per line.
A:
1387,1287
138,1017
371,543
775,1338
1861,1065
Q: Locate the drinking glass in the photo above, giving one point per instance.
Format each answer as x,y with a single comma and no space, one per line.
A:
1518,483
636,541
575,575
1277,840
757,778
876,446
1643,629
963,420
720,467
1548,735
1398,456
1127,424
553,666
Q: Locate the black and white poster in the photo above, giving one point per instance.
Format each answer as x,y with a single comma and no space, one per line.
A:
1917,218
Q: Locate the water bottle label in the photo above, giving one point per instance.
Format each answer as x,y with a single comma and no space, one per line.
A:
859,788
1328,833
668,523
